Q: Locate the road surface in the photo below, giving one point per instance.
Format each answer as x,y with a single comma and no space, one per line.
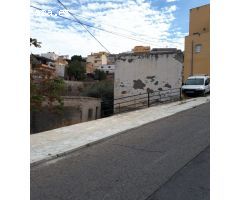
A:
167,159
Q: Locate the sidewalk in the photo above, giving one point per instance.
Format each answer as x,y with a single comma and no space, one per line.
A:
54,143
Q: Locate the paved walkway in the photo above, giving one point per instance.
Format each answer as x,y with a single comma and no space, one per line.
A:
51,144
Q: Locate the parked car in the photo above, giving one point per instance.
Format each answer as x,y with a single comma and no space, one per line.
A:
196,85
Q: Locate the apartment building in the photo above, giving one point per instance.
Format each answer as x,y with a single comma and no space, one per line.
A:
197,43
95,60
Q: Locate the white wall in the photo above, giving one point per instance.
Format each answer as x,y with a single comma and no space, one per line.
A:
107,68
60,69
50,55
135,74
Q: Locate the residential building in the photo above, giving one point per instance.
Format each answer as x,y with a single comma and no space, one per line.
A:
95,60
158,71
141,49
108,69
60,65
197,43
50,55
64,57
111,59
41,66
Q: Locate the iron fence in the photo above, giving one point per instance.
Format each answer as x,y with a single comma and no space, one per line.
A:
138,101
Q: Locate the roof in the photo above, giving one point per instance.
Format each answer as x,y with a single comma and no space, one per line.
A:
164,49
198,7
198,76
41,58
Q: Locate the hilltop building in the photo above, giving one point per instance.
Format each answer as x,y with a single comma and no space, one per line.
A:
95,60
141,49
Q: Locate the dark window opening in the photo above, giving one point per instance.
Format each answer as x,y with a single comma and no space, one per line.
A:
90,113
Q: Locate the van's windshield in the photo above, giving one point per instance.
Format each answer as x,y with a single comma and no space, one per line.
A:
195,81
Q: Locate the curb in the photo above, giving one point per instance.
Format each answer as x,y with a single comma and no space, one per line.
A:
59,155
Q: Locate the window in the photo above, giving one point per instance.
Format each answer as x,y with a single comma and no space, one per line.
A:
80,115
90,113
207,81
198,48
96,114
195,81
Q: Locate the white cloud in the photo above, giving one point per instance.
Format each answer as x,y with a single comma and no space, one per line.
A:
135,19
170,1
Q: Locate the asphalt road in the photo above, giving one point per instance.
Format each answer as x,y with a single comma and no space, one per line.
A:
167,159
191,182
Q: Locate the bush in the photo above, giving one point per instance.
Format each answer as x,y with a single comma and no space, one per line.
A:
99,75
47,90
103,90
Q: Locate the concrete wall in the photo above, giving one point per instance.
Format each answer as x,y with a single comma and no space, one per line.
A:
136,74
60,70
76,110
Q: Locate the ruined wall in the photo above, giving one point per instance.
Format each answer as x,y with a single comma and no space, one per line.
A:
137,74
76,110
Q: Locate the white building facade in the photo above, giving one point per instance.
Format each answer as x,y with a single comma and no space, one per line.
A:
108,69
50,55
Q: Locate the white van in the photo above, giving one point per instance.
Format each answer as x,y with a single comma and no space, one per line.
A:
196,85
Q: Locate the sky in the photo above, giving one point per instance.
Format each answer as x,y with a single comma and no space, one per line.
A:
118,25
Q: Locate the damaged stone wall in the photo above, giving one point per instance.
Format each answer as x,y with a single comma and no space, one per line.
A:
138,74
75,110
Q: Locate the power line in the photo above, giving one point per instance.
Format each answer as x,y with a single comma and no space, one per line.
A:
111,32
120,28
83,25
126,30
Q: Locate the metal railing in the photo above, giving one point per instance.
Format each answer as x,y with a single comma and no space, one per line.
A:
139,101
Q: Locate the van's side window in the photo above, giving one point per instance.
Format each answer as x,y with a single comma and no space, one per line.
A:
207,81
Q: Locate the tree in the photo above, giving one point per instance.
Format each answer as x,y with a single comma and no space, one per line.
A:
35,43
76,57
77,68
99,75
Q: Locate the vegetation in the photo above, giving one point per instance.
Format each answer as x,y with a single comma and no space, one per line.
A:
44,87
35,43
48,90
99,75
77,68
77,58
103,90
